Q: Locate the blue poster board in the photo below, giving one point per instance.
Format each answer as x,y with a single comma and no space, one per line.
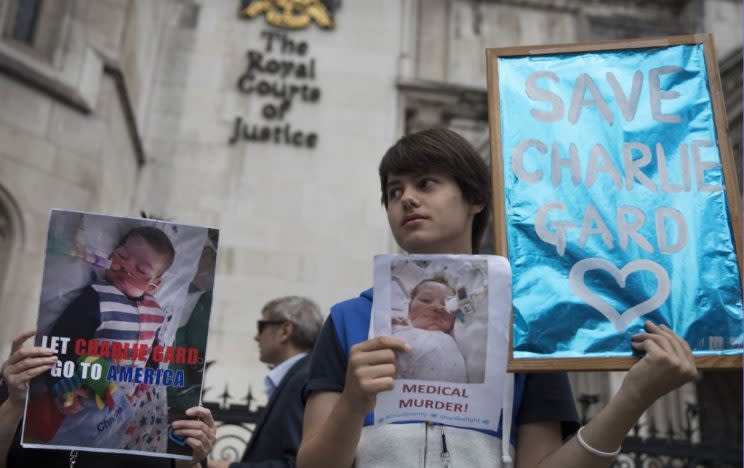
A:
612,201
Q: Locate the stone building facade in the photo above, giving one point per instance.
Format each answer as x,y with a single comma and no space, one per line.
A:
123,106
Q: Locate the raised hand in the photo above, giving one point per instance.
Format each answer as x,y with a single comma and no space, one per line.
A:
200,433
667,364
371,370
24,364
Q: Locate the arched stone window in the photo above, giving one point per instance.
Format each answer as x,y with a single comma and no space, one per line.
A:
11,236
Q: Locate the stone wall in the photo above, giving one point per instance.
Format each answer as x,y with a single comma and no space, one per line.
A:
57,153
293,220
452,35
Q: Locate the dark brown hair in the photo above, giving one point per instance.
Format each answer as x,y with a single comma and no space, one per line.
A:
442,151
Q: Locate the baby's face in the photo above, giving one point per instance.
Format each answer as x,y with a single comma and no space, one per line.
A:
427,308
136,267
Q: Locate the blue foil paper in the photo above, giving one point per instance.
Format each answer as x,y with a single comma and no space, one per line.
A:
554,318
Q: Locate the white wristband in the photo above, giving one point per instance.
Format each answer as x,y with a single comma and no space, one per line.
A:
592,450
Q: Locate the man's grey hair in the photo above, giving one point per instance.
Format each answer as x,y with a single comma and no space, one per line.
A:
302,313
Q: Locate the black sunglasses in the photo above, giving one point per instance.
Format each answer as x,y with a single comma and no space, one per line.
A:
261,324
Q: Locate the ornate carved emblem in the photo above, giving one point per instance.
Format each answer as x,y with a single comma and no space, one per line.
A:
292,14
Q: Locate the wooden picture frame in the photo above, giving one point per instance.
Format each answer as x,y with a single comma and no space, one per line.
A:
499,199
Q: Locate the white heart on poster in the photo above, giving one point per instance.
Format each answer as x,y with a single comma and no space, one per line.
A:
619,320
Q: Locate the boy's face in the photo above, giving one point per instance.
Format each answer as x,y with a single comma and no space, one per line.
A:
428,214
427,308
136,268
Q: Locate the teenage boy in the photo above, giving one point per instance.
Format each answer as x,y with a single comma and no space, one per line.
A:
436,191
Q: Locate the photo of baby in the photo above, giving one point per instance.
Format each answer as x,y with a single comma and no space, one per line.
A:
428,329
115,293
453,311
119,308
440,308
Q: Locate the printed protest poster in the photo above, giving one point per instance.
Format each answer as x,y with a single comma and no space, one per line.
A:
454,312
615,198
125,303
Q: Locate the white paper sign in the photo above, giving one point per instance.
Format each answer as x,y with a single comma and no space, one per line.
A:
454,312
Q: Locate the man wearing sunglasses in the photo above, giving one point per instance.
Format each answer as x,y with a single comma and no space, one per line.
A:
285,334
